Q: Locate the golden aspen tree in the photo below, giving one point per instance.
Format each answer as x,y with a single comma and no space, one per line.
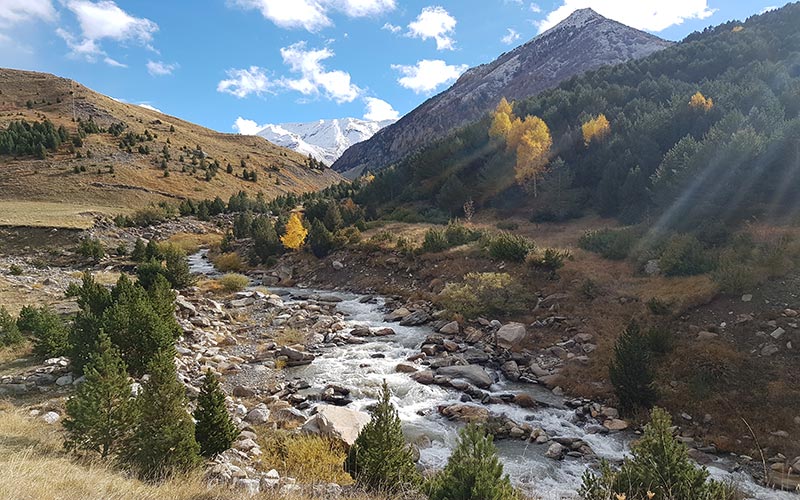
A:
501,119
699,101
295,232
515,134
533,151
596,128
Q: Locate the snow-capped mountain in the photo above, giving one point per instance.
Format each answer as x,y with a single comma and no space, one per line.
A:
325,140
582,42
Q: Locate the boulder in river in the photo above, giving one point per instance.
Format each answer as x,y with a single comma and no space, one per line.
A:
295,357
336,422
415,319
472,373
469,413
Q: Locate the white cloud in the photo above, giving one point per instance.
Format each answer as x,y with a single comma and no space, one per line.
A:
767,9
313,15
114,62
105,20
313,78
427,75
436,23
247,127
391,27
651,15
16,11
160,68
243,82
362,8
511,37
535,8
379,110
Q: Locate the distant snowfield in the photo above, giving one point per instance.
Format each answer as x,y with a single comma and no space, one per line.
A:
325,140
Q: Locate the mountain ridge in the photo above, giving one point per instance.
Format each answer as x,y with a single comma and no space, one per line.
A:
324,139
583,41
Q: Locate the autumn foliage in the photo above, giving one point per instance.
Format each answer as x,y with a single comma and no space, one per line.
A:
699,101
595,129
529,137
295,234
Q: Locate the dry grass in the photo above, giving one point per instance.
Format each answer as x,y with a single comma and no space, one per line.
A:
47,214
290,336
33,466
229,262
191,242
309,458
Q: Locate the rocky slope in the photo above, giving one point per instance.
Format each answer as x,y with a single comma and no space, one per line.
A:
104,177
583,41
324,140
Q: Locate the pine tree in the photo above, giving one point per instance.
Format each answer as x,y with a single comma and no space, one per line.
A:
380,459
630,371
177,267
266,243
101,413
659,467
473,471
50,334
333,217
163,443
152,251
320,239
214,429
139,253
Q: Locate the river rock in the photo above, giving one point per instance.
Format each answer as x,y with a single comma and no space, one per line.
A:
510,370
51,417
423,377
336,422
415,319
510,336
525,400
451,328
288,418
556,451
615,424
241,391
468,413
405,368
769,350
398,314
258,415
472,373
295,357
185,306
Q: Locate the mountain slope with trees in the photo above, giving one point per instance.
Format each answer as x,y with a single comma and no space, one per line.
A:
707,129
584,41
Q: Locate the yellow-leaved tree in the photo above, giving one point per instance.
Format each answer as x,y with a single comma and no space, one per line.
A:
501,119
295,234
699,101
595,129
533,150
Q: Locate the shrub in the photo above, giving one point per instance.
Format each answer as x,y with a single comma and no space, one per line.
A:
659,341
473,471
733,274
306,457
459,234
233,282
508,247
615,244
347,236
484,293
229,262
380,459
91,248
435,241
658,306
14,270
214,429
507,226
684,255
551,260
9,332
101,413
320,239
659,467
177,267
631,372
50,333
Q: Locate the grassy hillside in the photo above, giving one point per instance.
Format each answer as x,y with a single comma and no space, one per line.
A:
676,163
102,176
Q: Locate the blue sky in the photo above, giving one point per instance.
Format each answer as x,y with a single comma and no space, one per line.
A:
220,63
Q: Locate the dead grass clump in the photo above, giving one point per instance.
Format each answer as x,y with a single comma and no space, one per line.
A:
191,242
229,263
233,282
290,336
309,458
